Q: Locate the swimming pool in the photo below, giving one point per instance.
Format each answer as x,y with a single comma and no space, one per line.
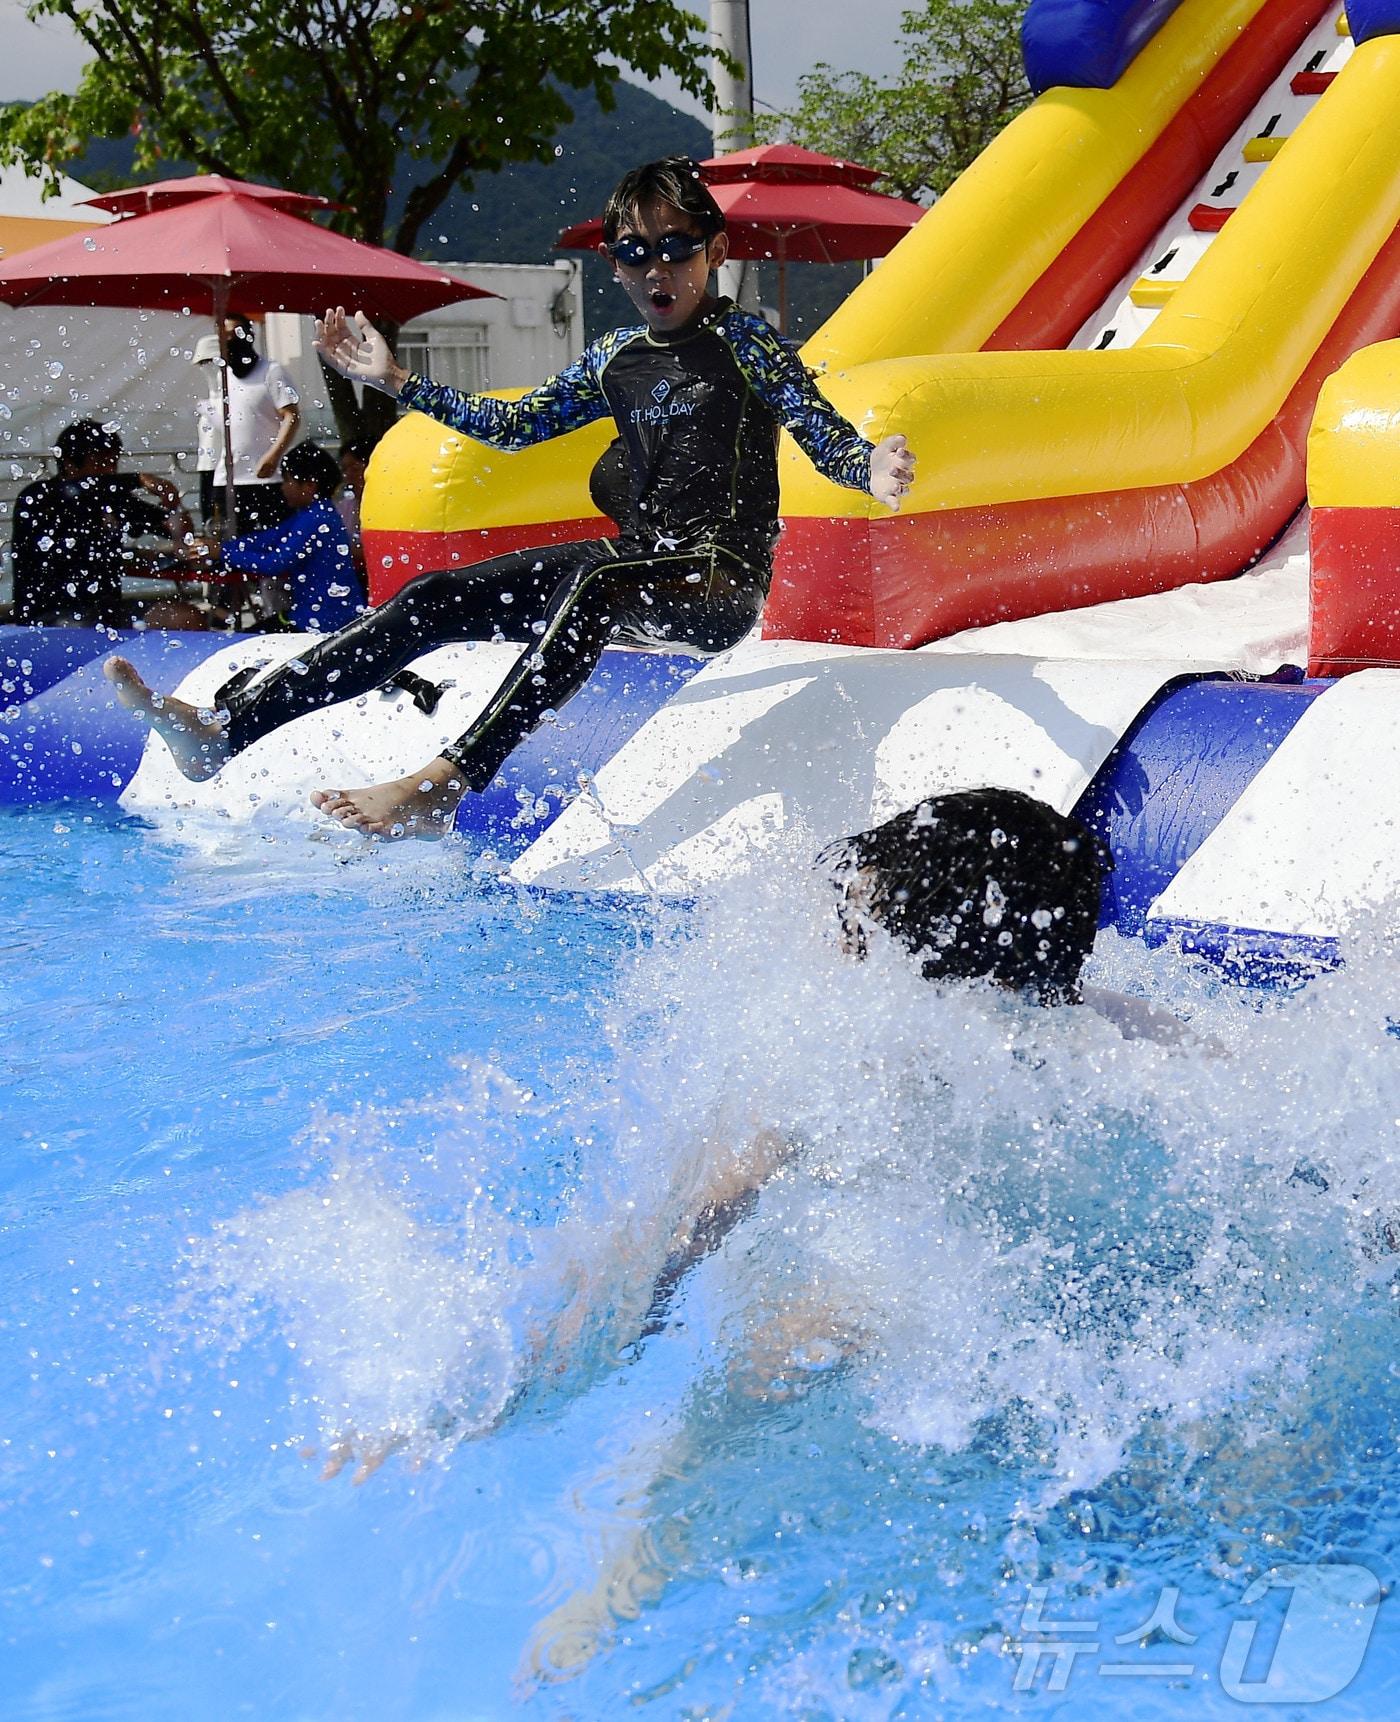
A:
1042,1337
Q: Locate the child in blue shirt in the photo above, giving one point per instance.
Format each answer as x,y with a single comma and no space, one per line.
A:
310,550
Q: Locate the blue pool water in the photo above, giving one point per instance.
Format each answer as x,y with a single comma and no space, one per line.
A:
1038,1326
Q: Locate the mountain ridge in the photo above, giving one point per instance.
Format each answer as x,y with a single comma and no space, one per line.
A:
515,216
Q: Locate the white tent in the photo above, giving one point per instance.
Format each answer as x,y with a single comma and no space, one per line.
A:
133,369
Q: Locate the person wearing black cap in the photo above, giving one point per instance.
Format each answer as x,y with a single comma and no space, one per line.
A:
69,545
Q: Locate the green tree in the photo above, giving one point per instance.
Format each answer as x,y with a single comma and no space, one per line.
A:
384,106
339,96
962,80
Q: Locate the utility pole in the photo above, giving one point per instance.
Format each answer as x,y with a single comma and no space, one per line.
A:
732,120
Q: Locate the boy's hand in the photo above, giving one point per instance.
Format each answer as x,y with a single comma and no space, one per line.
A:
355,348
891,471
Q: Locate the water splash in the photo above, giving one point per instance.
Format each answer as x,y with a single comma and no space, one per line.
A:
1095,1286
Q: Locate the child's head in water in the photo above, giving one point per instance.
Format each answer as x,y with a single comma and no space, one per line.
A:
983,884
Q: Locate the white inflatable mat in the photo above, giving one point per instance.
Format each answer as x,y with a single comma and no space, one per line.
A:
356,742
834,738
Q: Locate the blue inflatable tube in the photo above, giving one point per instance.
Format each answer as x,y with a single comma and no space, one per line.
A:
63,738
618,698
1371,18
65,741
1177,772
1087,44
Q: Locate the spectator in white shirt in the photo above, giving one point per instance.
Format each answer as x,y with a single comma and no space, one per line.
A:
264,412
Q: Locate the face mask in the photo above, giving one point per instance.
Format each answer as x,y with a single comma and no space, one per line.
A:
242,355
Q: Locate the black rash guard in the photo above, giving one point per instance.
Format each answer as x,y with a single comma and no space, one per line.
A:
698,412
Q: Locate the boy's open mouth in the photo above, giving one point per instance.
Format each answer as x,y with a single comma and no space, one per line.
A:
662,301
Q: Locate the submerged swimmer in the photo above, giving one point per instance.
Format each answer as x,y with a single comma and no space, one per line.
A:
699,390
984,886
987,885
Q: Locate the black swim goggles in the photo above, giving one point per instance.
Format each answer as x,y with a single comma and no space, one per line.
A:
635,253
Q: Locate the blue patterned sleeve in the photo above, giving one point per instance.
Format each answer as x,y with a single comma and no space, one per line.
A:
779,378
566,402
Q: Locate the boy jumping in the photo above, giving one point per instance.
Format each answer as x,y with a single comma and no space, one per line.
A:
698,393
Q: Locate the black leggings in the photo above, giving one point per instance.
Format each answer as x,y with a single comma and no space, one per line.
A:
564,604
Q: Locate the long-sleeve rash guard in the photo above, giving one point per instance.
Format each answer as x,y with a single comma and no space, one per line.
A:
699,412
312,550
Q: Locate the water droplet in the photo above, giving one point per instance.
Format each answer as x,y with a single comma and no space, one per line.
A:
54,368
89,243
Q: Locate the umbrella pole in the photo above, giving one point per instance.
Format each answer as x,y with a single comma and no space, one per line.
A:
239,593
220,313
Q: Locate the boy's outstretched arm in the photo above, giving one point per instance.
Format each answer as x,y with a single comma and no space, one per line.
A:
568,401
891,471
885,470
355,348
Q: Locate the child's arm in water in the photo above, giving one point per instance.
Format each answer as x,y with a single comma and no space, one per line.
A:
652,1252
656,1249
1137,1019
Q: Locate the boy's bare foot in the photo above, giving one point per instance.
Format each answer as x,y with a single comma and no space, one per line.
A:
195,737
419,805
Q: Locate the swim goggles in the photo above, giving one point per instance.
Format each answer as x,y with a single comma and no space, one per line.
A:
635,253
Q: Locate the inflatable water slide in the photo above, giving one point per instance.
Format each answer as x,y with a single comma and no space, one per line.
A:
1126,344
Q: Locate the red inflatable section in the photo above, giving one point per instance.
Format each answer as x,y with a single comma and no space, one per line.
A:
392,559
903,581
1355,598
1105,248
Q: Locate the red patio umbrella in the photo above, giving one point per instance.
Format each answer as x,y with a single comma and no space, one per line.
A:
792,205
785,163
229,250
162,193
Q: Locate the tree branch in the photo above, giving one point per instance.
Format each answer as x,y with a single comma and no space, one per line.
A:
208,56
428,197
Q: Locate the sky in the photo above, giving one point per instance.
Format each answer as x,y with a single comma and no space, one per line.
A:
789,37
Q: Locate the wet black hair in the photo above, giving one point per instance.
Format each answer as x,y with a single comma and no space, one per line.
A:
981,884
675,179
79,442
358,447
309,463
